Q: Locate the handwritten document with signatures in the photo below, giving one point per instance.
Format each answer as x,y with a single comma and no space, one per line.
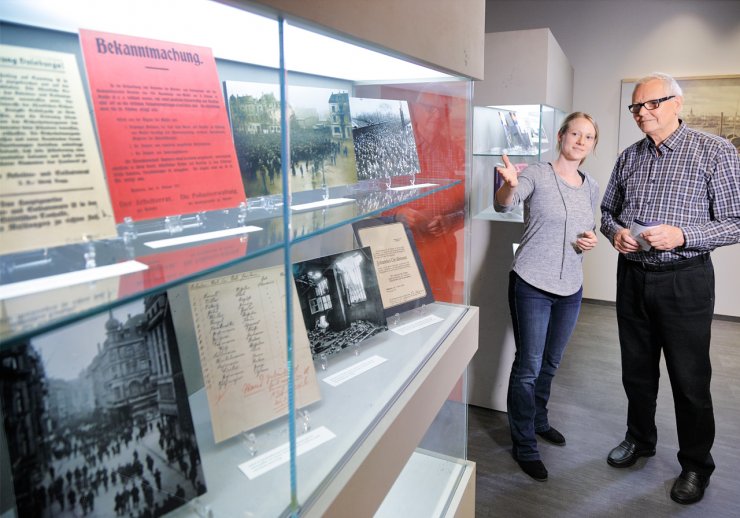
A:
241,336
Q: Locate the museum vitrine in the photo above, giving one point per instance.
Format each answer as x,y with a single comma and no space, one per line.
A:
190,324
525,133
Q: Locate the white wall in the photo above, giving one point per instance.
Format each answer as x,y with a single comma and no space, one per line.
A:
607,41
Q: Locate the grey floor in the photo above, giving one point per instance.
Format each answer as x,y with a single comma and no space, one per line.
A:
588,406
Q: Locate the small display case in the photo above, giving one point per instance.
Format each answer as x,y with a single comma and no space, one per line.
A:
525,133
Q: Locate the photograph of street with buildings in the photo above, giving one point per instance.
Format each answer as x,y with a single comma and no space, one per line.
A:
96,417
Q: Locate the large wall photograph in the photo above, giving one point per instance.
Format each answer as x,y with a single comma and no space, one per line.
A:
710,104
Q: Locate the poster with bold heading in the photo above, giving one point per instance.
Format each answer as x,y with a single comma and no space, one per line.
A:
163,128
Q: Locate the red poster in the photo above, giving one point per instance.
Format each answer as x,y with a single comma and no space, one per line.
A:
163,128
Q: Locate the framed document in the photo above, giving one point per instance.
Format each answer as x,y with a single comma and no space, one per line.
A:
401,277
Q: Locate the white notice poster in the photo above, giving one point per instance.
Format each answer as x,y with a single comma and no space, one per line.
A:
52,186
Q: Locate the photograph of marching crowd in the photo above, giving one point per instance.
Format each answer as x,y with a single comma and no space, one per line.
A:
384,138
321,148
96,417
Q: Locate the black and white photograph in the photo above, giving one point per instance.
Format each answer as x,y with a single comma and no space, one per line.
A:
384,138
340,300
321,149
96,417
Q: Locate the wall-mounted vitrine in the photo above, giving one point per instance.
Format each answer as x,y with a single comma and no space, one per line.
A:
162,352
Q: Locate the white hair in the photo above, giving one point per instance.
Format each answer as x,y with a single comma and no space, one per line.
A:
668,82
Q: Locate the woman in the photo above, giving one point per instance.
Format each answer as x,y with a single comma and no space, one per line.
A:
545,283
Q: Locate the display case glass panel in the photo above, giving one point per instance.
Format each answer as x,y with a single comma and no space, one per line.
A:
148,303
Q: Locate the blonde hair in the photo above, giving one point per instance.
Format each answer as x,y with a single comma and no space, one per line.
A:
566,124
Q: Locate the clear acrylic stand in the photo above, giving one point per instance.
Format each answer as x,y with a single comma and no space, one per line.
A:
173,224
250,439
303,420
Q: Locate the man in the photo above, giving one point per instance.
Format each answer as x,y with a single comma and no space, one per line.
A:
684,186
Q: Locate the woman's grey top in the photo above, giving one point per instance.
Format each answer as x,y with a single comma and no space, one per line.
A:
555,215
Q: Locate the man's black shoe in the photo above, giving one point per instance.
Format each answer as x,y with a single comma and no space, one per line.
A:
626,454
689,487
534,468
551,435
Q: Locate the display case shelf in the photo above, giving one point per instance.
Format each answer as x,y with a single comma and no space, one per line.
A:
163,257
361,416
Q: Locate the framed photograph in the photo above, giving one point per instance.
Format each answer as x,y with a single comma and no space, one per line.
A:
321,147
97,419
384,138
710,104
401,278
340,300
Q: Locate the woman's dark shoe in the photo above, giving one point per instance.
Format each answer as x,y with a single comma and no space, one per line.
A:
534,468
551,435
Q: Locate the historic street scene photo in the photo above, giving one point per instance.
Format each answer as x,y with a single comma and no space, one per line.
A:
321,148
96,417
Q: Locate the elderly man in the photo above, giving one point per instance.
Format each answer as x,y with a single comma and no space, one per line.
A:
673,197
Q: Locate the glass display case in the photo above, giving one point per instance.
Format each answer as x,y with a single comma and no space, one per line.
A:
159,364
525,133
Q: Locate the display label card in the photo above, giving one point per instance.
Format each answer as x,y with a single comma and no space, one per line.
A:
63,280
52,187
243,350
205,236
417,324
163,127
322,203
414,186
280,455
401,278
353,371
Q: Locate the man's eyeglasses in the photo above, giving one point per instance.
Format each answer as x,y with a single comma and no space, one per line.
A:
650,105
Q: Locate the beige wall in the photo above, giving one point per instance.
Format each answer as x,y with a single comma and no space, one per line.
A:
607,41
525,67
447,34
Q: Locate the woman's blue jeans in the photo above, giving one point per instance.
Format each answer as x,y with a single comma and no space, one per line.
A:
542,323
